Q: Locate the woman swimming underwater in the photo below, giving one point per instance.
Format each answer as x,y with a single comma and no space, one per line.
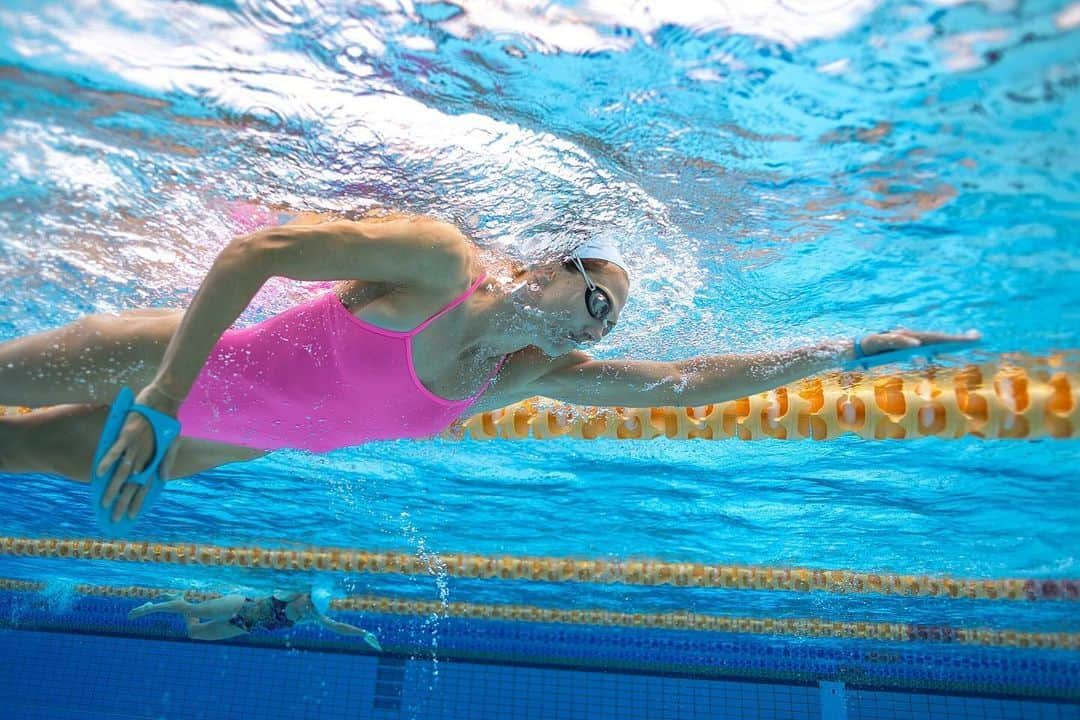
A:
232,615
416,335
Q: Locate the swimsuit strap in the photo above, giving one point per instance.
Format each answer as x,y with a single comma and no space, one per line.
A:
453,304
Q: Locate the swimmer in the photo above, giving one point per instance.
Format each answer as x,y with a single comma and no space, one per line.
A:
420,330
233,615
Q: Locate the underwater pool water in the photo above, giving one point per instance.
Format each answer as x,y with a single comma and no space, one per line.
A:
776,173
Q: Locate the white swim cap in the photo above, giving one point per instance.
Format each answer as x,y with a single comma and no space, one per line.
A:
601,247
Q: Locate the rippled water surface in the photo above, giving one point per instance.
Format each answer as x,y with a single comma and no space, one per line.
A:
777,173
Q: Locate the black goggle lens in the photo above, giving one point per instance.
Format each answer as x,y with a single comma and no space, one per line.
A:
598,303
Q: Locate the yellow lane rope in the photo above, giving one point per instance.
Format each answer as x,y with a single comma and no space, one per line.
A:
1037,398
549,569
687,620
1012,398
678,620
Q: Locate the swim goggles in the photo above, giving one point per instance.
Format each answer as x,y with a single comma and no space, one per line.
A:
597,300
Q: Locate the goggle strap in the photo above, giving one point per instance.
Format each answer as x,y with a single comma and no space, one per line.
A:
588,280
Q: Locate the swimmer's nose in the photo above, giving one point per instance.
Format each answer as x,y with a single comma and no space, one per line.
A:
594,334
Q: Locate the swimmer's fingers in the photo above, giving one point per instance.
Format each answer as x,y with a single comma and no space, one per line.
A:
114,453
139,498
123,502
133,448
120,474
164,473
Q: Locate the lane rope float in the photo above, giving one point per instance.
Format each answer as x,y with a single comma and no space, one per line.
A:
549,569
1036,398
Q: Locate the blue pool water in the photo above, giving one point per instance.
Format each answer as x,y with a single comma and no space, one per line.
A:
777,173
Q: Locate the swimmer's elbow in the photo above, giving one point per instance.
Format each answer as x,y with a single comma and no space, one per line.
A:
656,384
677,384
252,256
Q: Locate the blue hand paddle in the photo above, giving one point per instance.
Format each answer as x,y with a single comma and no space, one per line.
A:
166,429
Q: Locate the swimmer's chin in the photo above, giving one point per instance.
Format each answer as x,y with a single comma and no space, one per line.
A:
554,347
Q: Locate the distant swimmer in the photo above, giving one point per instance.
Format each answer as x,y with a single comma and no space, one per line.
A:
421,330
233,615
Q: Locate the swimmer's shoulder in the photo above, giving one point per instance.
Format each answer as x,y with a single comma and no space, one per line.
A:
426,254
447,260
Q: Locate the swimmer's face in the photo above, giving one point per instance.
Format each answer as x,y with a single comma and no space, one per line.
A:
568,323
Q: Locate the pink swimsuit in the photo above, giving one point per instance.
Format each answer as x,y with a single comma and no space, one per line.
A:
316,377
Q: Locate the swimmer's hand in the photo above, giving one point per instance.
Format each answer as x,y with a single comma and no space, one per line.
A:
135,448
903,339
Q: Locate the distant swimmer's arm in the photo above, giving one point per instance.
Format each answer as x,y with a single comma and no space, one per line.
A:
347,629
579,379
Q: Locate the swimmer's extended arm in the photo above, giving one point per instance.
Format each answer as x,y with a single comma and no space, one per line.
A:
579,379
347,629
